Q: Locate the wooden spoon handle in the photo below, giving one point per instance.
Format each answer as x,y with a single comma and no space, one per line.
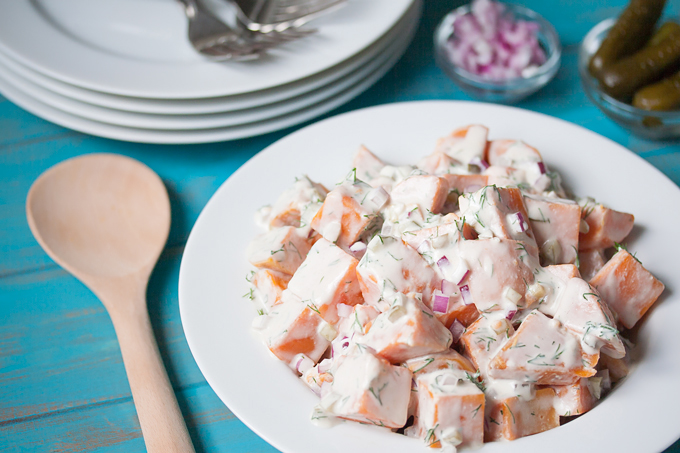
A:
162,423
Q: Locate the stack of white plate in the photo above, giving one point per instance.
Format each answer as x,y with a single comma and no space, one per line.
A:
125,69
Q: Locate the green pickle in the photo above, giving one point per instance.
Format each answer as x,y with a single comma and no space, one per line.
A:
628,35
625,77
664,31
664,95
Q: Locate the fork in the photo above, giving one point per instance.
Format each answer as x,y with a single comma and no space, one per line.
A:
267,16
216,40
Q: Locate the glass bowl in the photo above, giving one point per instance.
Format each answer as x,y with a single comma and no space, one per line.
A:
505,91
643,123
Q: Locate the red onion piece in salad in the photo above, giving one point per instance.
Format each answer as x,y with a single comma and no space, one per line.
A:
457,329
541,167
440,304
522,224
481,163
448,288
467,296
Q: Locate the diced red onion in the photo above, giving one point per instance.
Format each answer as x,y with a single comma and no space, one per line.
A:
511,314
344,310
541,167
448,288
481,163
493,45
457,329
303,364
443,263
440,304
467,295
521,223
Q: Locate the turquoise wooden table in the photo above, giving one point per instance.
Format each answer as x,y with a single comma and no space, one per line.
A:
62,382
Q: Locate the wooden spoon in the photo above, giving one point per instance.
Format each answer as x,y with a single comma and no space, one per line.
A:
105,219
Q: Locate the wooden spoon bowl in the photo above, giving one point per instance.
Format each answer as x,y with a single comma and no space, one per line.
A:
105,218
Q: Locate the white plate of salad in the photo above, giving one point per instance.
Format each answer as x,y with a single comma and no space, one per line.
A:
269,396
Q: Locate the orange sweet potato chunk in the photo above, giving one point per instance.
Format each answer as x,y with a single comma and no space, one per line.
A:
499,212
465,143
449,407
367,164
542,352
294,328
515,417
407,330
449,359
465,183
605,227
368,389
507,153
573,399
627,287
270,284
427,191
280,249
327,278
556,227
437,163
495,265
483,339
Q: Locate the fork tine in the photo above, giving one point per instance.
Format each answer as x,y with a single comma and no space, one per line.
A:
295,10
287,35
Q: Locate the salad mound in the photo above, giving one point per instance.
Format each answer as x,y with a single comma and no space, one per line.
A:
464,299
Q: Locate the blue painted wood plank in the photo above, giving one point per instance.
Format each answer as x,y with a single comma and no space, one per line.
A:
58,348
17,125
113,427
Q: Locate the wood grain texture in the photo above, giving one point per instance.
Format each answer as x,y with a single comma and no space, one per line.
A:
113,427
62,381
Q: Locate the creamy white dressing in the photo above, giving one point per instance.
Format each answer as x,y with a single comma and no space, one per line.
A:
368,389
390,266
326,278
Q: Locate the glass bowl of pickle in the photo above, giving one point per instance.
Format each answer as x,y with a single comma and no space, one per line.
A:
630,68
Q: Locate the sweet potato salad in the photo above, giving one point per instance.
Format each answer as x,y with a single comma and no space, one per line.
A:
465,299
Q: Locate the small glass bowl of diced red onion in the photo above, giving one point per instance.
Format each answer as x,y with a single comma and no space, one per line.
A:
497,52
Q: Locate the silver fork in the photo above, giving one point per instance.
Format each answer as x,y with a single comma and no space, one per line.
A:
217,40
267,16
